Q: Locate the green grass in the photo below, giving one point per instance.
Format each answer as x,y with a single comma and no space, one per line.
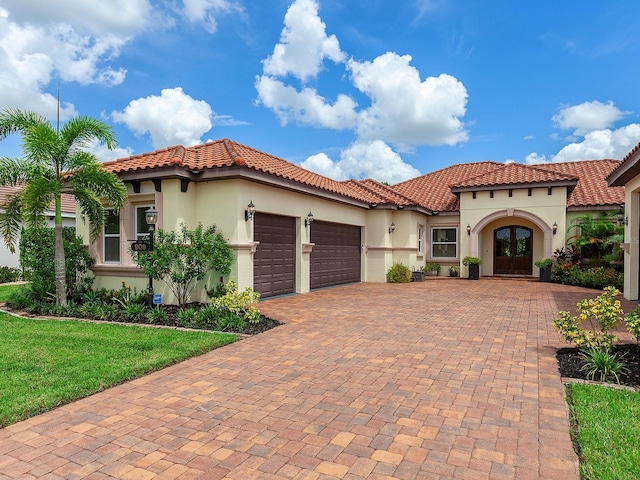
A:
47,363
7,290
607,421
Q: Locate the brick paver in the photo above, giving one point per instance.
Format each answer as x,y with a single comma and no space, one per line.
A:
439,379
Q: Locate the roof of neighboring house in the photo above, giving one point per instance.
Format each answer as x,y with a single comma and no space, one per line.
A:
434,191
628,169
68,201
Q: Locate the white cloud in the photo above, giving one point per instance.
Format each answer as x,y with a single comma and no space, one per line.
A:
587,117
601,144
38,44
171,118
405,109
374,159
103,154
303,45
534,158
206,11
305,106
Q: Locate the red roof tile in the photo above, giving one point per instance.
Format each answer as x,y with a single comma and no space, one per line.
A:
68,201
513,174
433,190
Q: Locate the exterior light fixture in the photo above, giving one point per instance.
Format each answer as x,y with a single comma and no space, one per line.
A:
392,227
468,229
151,216
622,220
554,227
248,213
309,219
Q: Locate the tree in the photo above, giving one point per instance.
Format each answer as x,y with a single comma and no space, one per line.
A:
56,161
183,258
597,238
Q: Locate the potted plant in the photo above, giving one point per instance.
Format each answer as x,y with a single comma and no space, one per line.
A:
454,271
432,268
544,264
417,275
474,266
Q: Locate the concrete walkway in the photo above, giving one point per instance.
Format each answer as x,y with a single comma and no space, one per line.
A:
440,379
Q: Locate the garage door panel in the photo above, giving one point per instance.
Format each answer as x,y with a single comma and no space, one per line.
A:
336,255
274,260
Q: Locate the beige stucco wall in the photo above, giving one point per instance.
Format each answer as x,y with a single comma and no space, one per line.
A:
484,214
631,240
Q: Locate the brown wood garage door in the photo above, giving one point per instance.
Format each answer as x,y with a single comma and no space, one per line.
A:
335,258
274,263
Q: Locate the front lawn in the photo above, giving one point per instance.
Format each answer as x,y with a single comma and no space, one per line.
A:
6,290
606,425
48,363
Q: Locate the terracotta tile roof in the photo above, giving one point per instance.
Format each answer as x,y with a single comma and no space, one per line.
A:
513,174
627,169
227,153
68,201
378,193
592,188
433,190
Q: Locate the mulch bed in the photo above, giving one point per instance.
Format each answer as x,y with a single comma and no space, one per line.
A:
570,363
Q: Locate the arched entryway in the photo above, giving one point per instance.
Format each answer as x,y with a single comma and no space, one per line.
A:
513,250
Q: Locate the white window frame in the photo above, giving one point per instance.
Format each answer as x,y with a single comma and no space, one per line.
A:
456,243
421,230
106,235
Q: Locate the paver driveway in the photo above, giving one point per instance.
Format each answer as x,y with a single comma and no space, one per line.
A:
440,379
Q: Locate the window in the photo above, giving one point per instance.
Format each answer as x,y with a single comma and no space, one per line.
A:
111,237
444,243
420,240
142,228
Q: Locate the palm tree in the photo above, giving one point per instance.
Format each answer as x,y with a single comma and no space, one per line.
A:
55,161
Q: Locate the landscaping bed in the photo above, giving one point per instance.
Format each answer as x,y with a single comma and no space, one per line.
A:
570,363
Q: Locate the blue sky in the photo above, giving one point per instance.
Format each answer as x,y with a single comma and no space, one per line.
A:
348,88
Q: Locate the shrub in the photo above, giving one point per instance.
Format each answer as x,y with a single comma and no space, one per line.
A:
633,323
182,258
543,263
432,267
569,273
243,304
157,315
471,260
20,299
602,315
9,274
230,321
37,252
187,317
606,365
134,312
206,318
398,273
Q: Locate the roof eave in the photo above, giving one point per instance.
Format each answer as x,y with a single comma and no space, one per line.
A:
627,171
514,186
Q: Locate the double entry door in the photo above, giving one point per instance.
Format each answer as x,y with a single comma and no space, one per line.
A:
513,247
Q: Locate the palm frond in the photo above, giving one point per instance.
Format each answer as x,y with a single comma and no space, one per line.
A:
92,207
11,220
80,132
37,197
14,171
13,120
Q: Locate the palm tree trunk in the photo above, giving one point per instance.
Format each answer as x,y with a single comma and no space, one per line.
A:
59,260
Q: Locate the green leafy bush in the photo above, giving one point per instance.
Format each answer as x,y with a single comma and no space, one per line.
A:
135,312
399,273
602,315
244,304
157,315
182,258
633,323
471,261
187,317
37,252
569,273
605,365
9,274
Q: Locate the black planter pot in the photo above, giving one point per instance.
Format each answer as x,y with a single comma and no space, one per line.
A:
417,276
545,274
474,271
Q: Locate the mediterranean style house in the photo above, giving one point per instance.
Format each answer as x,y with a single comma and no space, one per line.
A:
293,230
627,175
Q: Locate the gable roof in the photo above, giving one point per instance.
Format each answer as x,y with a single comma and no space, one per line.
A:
226,157
628,169
433,192
513,174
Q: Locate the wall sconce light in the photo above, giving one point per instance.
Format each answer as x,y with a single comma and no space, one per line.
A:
554,227
309,219
248,213
622,220
468,229
392,228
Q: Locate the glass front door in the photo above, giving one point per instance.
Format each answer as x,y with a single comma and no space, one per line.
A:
513,250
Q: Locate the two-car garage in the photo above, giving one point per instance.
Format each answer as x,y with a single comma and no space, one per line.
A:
334,260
